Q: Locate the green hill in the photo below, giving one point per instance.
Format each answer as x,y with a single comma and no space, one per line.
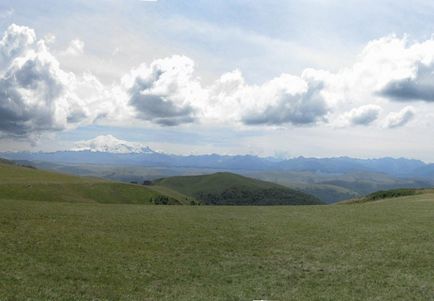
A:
231,189
25,183
388,194
332,188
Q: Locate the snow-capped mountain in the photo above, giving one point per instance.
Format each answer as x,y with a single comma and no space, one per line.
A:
111,144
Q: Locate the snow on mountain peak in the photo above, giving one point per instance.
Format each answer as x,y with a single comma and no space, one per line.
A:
111,144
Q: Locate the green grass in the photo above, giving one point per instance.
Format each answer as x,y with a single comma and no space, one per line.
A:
87,251
82,192
15,174
388,194
22,183
225,188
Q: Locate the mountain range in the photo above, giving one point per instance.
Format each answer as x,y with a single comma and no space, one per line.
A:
113,151
329,179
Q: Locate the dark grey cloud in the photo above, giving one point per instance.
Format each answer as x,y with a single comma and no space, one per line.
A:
160,109
297,109
419,87
365,119
17,116
27,89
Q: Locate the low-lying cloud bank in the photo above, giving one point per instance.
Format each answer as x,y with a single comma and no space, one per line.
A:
37,95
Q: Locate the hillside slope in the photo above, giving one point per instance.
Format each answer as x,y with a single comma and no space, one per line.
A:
331,188
23,183
389,195
231,189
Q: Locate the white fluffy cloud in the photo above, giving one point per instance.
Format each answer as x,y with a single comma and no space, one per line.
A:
36,95
401,118
75,48
393,69
166,91
408,69
286,99
363,115
417,86
388,70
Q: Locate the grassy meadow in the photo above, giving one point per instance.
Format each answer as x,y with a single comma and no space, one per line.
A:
22,183
380,250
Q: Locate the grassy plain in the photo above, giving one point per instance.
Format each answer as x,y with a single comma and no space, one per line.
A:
380,250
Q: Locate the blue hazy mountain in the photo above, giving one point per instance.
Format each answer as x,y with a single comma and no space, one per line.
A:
399,167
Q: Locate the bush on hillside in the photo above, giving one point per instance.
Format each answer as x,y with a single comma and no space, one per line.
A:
386,194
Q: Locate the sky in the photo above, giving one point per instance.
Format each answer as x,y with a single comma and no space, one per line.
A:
314,78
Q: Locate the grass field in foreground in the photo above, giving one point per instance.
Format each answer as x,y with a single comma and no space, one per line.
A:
87,251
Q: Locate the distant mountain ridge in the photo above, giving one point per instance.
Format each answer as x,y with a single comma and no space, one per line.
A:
109,150
329,179
399,167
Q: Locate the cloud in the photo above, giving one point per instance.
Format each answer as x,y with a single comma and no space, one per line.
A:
15,41
401,118
49,39
75,48
35,94
388,69
283,105
418,86
165,92
363,115
395,69
283,100
6,13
